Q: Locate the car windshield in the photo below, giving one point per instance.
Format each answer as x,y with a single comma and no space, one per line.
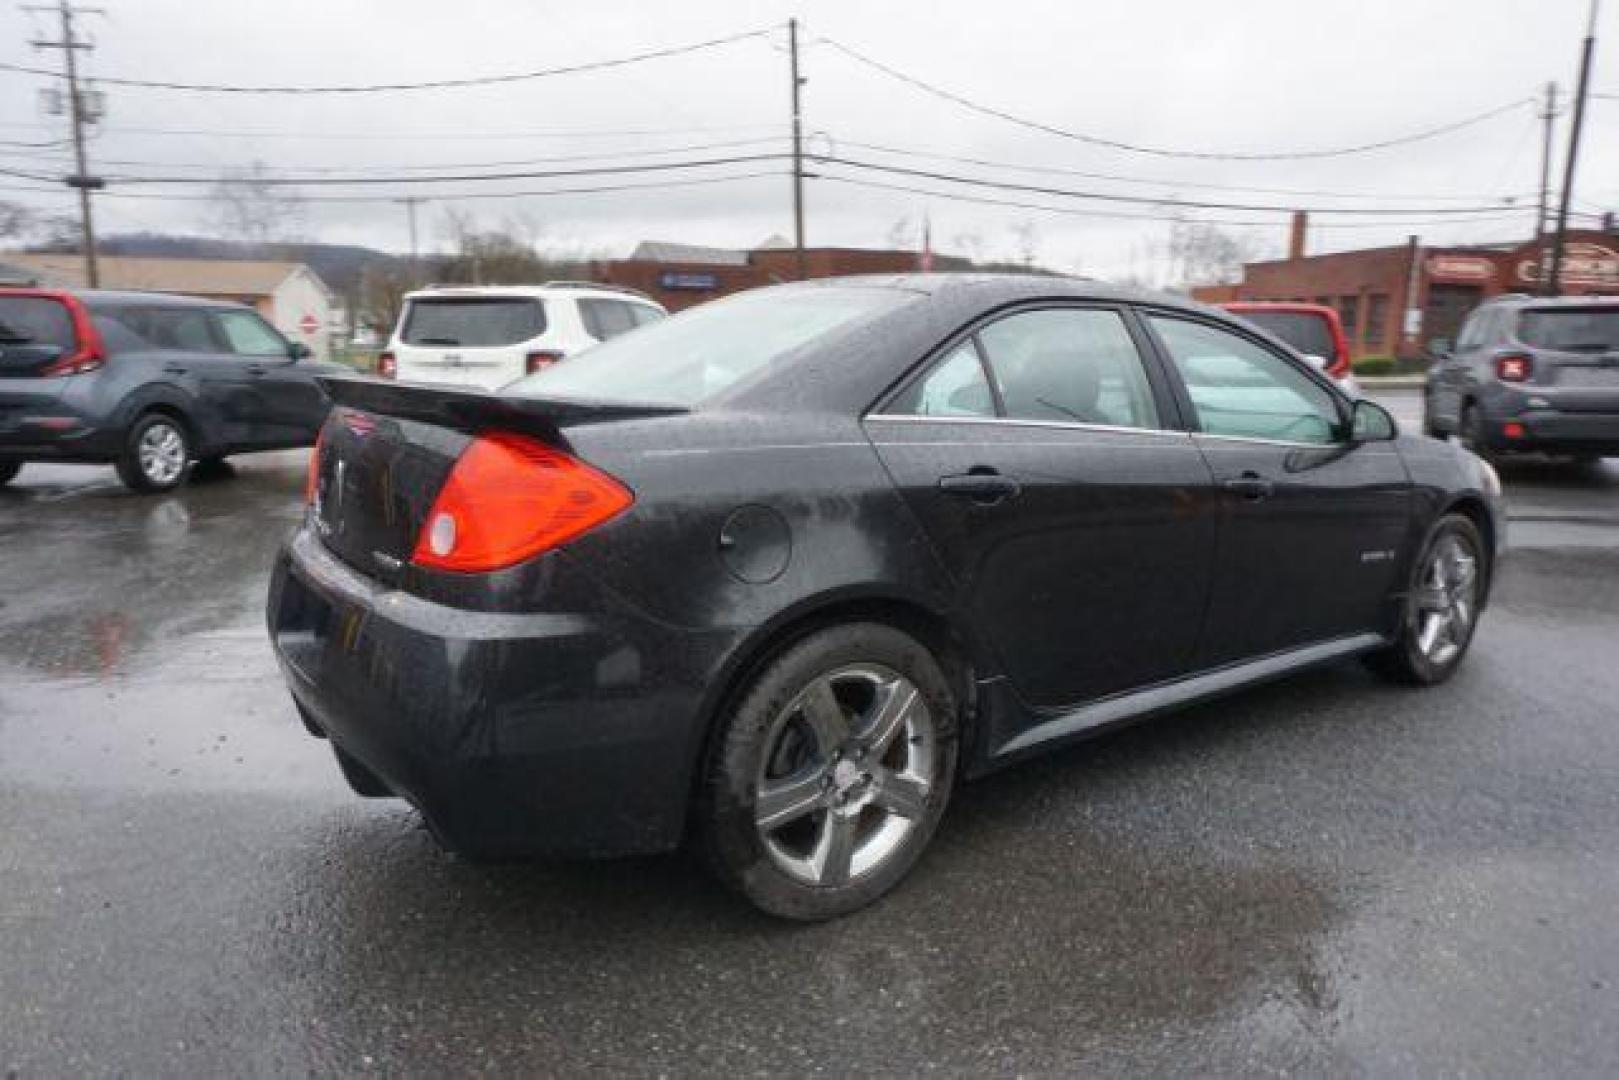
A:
1570,328
1305,331
693,356
473,321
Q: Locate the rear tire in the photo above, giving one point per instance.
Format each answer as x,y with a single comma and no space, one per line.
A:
1440,610
157,454
9,471
829,776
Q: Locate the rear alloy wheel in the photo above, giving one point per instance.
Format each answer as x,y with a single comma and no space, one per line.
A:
9,471
1441,607
156,454
832,773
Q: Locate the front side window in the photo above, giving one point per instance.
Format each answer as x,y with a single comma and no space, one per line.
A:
472,322
1069,365
1242,390
956,386
249,335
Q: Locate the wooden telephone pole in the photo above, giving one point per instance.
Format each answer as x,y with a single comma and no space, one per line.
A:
81,179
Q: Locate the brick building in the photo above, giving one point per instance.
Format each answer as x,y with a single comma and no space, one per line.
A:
1395,300
683,275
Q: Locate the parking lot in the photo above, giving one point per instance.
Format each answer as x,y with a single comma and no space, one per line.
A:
1327,874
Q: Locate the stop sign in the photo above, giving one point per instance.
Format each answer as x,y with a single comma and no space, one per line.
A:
309,324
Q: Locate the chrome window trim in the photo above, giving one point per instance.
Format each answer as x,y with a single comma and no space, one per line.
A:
1009,421
1272,442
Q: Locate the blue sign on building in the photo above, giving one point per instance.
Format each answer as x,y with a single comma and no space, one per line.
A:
675,279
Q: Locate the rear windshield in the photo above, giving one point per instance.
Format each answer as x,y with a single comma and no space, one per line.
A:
1574,329
473,321
1306,332
697,354
35,320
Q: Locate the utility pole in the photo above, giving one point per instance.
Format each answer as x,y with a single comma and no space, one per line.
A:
798,152
411,202
1548,116
81,178
1555,278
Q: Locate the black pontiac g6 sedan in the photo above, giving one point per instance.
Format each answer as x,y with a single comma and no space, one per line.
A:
777,572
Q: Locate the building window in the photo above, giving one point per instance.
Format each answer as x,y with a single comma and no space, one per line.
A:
1349,312
1377,317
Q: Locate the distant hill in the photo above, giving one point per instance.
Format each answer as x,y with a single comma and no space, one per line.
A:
339,265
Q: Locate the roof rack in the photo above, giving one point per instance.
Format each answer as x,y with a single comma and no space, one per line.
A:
605,286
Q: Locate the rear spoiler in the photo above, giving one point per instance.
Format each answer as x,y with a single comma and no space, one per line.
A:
474,411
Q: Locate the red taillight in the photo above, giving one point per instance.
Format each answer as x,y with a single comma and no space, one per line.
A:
88,353
1514,368
1513,430
510,498
387,365
312,482
540,360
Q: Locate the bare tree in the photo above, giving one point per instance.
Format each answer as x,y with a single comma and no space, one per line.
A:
902,235
509,252
1026,236
1203,254
247,206
16,221
970,244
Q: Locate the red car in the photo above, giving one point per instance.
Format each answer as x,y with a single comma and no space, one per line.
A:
1312,329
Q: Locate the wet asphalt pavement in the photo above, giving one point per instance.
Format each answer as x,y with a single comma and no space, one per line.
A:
1324,876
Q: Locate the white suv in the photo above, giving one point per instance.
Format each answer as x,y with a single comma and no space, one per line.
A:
488,335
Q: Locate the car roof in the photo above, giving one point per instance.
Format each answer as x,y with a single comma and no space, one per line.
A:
1524,300
126,297
1301,307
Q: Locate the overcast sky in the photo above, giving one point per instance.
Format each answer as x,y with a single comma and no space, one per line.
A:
1271,76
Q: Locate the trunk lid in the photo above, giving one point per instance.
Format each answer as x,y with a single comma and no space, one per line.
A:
1576,354
387,450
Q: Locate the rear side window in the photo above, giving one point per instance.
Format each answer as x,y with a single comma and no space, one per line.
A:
473,321
175,329
35,320
645,313
956,386
1573,329
606,319
1306,332
1069,365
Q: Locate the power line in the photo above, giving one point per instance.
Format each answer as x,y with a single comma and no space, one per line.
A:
1140,200
450,178
414,136
435,84
1054,170
444,196
1118,215
1197,155
603,155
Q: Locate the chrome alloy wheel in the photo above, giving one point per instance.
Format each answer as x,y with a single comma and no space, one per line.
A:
846,773
162,453
1445,600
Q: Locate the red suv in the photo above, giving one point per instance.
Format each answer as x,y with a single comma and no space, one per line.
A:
1312,329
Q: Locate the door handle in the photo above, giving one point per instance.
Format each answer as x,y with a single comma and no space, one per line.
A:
175,369
985,488
256,369
1251,486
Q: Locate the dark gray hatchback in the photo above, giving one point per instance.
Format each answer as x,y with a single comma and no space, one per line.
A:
1531,374
147,382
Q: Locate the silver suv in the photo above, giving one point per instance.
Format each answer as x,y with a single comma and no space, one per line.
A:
1530,374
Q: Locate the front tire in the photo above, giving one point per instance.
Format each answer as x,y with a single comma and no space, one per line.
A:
156,454
1440,610
1471,432
829,776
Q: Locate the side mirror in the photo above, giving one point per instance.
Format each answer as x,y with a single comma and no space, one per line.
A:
1370,422
1440,348
1315,361
299,351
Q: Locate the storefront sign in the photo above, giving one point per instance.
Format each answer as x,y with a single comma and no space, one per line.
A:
674,279
1461,268
1583,264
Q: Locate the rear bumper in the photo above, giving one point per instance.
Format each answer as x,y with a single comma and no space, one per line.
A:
513,734
1561,432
